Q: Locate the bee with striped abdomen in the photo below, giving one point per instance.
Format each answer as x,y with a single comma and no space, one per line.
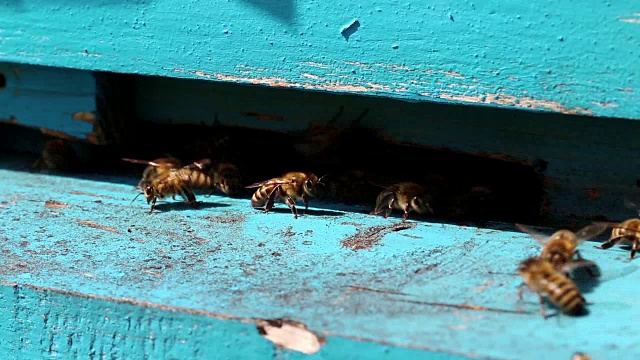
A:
542,278
561,247
405,196
291,187
182,181
627,231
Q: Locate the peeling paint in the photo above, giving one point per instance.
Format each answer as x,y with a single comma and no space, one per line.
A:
509,100
284,83
87,116
290,334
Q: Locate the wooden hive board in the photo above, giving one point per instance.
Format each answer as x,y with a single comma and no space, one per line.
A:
86,272
540,55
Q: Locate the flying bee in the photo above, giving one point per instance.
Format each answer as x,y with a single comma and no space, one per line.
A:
182,181
291,187
405,196
228,179
580,356
155,168
561,247
542,278
627,231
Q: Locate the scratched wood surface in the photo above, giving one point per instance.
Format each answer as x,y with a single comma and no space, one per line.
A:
541,54
430,286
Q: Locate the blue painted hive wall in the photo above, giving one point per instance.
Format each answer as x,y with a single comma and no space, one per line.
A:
540,54
86,273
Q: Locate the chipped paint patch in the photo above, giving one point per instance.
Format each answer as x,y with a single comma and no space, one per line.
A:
605,104
87,116
510,100
291,335
284,83
52,204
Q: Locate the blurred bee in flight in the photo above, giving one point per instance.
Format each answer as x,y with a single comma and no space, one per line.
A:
627,231
560,249
291,187
542,278
405,196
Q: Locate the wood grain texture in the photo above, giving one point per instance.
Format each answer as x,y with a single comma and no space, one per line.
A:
50,323
540,55
431,286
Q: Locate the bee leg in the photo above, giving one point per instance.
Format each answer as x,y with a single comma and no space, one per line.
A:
608,244
271,199
577,255
634,248
543,309
406,213
292,206
305,199
153,205
389,208
190,197
521,288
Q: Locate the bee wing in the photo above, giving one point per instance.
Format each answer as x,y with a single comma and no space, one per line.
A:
591,231
199,165
540,237
150,163
271,182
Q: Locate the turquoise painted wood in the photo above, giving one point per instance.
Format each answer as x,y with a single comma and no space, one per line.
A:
542,55
59,102
180,280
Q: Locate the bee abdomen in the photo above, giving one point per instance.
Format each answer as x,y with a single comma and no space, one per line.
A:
260,197
565,295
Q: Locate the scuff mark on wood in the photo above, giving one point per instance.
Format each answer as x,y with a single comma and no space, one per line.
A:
465,307
510,100
605,105
53,204
355,288
96,226
367,238
153,273
291,334
89,194
87,116
632,20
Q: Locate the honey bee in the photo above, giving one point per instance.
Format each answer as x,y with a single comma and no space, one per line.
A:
561,247
542,278
405,196
155,168
182,181
626,231
228,179
291,187
580,356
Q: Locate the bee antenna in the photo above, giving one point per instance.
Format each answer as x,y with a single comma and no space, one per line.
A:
134,199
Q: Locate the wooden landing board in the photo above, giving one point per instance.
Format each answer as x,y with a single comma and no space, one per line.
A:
542,54
85,259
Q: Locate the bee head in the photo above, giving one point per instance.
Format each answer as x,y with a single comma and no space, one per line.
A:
310,183
149,192
421,204
528,264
